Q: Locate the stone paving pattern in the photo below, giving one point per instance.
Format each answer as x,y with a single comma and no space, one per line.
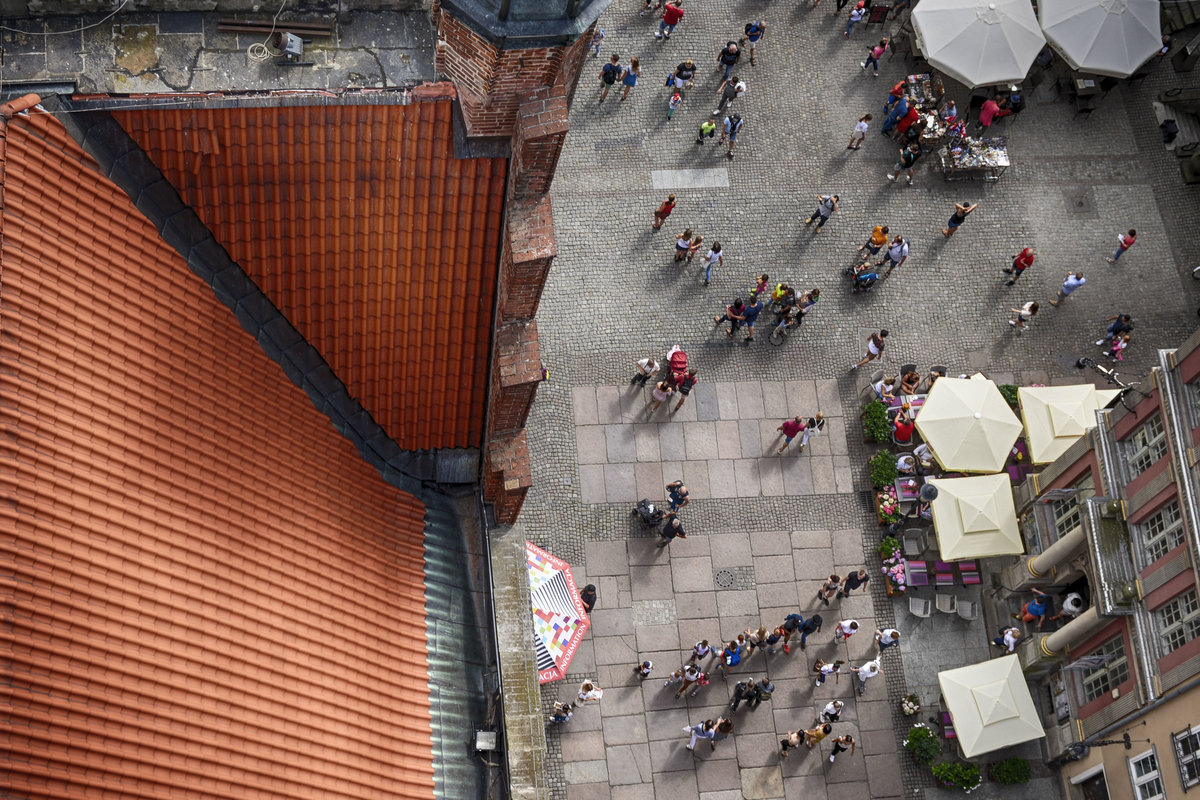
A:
615,295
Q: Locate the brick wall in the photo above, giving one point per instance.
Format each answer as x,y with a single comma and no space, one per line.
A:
540,131
529,249
508,476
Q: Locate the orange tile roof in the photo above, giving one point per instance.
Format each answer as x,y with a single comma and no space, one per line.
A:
207,592
360,225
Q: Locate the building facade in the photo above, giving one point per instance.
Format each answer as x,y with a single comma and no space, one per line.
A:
1114,520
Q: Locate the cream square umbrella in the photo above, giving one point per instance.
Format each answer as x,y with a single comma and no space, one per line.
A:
979,42
975,517
1107,37
991,705
1057,416
968,425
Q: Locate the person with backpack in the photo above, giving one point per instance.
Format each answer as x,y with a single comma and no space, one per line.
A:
686,384
811,625
731,656
731,89
856,15
906,162
733,126
762,691
609,74
728,58
630,78
791,624
597,39
743,691
734,315
754,32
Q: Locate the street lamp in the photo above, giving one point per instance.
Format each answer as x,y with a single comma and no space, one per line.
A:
1079,750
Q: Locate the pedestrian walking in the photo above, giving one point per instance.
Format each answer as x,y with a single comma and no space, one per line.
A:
733,126
830,589
672,529
1008,638
729,90
875,344
845,629
827,206
643,669
897,109
1020,262
860,133
1116,350
808,628
751,312
1070,284
661,393
664,211
841,744
1124,242
762,286
896,255
877,239
888,637
961,210
754,33
714,258
728,58
791,428
906,163
824,669
733,315
873,56
630,78
856,15
896,95
865,673
657,6
691,674
673,104
742,691
731,656
723,730
684,74
1035,609
700,651
1023,316
609,74
682,242
672,14
791,624
677,495
694,247
814,736
562,713
854,581
1118,324
588,597
686,384
703,730
832,711
773,638
597,38
708,130
646,367
676,676
790,741
755,638
762,691
590,692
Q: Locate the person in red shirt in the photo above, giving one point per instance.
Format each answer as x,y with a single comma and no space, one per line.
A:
902,428
1123,243
791,429
989,113
1021,262
664,211
672,13
907,121
898,91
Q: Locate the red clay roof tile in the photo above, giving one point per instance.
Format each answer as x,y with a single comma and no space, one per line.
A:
362,227
212,594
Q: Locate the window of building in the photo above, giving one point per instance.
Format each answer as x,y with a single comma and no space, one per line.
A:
1187,753
1179,620
1162,531
1193,400
1102,680
1147,445
1147,782
1066,512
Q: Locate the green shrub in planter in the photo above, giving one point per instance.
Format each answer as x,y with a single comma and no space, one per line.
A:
957,775
1009,393
923,744
883,469
888,547
876,427
1010,771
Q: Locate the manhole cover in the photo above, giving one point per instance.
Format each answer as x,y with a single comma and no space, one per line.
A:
1080,202
724,578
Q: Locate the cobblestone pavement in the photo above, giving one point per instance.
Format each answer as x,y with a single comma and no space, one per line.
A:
615,295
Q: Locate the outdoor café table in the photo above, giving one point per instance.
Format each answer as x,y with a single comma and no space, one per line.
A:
915,401
908,487
1085,85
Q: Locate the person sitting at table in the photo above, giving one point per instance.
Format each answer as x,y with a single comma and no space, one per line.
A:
924,456
902,426
933,375
906,464
991,111
949,112
924,510
909,382
885,389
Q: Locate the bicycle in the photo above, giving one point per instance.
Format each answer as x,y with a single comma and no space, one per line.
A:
1112,376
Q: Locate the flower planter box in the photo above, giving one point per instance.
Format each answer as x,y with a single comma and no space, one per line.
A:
892,591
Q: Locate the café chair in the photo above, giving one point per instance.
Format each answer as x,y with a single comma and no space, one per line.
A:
920,607
913,542
967,609
946,603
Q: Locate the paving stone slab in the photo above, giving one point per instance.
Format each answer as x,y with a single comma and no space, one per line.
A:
727,407
700,440
606,558
657,637
771,543
774,568
762,783
696,606
719,775
729,444
882,770
692,574
646,438
750,438
585,771
731,604
591,444
806,787
615,650
652,582
728,794
583,405
797,475
628,764
663,724
695,475
591,483
704,399
581,745
801,398
845,769
772,595
874,715
731,549
640,791
620,484
620,444
644,553
722,482
670,442
672,755
608,405
588,791
750,400
812,565
648,481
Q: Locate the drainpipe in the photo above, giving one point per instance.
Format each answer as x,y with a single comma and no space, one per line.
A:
1075,631
1061,551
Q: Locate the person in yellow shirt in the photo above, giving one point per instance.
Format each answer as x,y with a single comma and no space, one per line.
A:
879,237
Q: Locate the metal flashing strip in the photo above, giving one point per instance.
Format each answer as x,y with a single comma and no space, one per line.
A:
1112,559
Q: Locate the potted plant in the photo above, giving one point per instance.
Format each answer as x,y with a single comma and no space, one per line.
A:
887,506
1010,771
896,581
883,469
923,743
1009,393
960,775
876,427
910,704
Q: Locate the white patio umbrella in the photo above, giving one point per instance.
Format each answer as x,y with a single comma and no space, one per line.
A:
968,425
990,705
1058,416
1107,37
979,42
975,517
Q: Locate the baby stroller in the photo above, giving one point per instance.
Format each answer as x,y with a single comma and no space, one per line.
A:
676,365
863,279
651,514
